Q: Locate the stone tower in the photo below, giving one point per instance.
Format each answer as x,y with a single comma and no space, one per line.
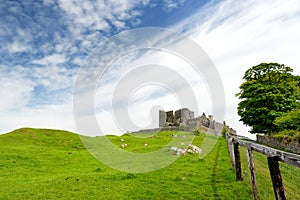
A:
162,118
183,115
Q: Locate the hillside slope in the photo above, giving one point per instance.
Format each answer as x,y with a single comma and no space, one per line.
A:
50,164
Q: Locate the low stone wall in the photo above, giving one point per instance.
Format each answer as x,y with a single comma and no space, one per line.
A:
172,128
218,127
203,129
289,144
191,128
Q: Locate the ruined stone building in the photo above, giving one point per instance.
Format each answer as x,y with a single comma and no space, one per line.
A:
185,118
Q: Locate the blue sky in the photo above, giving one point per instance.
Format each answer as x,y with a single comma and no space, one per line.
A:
44,43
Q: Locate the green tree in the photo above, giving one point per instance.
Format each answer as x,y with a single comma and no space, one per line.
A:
269,91
289,120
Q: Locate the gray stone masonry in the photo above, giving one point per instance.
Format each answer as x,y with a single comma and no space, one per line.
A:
184,117
162,119
289,144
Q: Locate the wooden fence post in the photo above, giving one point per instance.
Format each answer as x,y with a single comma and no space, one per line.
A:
237,162
274,156
230,150
252,172
276,178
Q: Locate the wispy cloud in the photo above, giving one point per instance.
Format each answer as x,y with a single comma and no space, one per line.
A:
15,90
42,51
237,35
18,46
240,34
42,46
53,59
172,4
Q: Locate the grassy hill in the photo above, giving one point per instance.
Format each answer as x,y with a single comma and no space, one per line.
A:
51,164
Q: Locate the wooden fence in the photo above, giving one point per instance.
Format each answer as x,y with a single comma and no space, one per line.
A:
273,156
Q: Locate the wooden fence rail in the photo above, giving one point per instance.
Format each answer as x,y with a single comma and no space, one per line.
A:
273,156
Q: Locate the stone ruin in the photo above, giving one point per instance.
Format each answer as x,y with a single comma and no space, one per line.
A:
180,117
184,119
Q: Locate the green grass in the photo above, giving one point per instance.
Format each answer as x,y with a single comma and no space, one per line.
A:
290,176
50,164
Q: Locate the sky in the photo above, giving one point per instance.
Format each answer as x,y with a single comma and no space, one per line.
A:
47,44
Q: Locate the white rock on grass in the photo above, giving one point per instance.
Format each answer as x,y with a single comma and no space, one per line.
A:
181,151
174,148
195,148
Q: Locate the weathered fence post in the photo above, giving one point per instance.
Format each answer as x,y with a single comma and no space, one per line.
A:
274,156
252,172
237,162
230,150
276,178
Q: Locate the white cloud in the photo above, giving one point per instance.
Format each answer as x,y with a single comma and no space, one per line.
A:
54,77
15,90
19,106
17,46
235,34
50,116
240,34
19,84
53,59
169,5
99,15
142,98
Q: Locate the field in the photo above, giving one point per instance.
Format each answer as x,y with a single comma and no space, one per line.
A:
51,164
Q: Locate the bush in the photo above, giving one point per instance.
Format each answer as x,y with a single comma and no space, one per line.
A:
289,121
225,130
196,132
288,133
181,128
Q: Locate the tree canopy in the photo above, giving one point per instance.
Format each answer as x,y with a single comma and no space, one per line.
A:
269,90
289,120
